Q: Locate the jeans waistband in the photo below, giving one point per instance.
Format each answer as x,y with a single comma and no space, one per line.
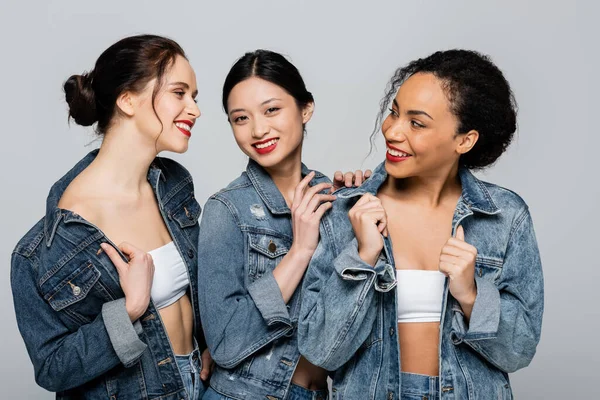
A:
298,392
421,385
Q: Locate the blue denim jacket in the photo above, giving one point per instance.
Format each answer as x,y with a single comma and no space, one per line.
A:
71,310
348,318
245,232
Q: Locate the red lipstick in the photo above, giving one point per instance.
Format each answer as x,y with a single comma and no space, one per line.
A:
393,158
188,123
265,150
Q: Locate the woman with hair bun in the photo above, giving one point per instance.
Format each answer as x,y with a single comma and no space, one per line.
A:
427,282
94,331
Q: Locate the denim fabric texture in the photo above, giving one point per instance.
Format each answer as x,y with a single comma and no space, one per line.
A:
70,307
245,232
190,366
348,320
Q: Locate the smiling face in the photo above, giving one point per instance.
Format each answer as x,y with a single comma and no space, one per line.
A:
421,130
267,123
169,123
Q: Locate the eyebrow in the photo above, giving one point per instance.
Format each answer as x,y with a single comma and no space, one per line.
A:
414,112
262,104
185,85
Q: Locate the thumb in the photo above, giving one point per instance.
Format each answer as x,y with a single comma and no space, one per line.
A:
460,233
114,256
206,365
129,250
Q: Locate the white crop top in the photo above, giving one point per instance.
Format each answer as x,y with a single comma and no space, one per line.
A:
170,276
419,295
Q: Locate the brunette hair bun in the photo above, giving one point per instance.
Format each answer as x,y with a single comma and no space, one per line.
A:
81,99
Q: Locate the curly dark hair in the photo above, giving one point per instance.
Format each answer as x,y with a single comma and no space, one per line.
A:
478,94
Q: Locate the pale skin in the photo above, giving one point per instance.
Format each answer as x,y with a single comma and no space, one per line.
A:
259,110
415,207
114,194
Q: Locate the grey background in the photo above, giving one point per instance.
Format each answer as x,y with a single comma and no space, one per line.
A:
346,52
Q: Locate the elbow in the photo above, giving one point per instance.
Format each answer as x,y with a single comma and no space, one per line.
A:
52,382
515,358
317,354
519,360
226,358
308,351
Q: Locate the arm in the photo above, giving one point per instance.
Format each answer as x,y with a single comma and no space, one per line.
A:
63,359
237,319
338,310
505,322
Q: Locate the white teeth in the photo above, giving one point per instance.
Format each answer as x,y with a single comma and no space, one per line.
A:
267,144
397,153
183,126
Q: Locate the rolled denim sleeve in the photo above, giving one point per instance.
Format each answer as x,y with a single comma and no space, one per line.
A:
268,299
123,335
350,266
238,318
506,320
337,315
62,359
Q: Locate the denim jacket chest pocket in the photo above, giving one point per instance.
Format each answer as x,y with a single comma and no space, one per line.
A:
265,252
76,291
186,214
488,268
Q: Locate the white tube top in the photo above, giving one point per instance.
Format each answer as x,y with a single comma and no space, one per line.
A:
170,276
419,295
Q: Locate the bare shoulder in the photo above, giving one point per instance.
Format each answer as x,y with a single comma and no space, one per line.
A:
82,197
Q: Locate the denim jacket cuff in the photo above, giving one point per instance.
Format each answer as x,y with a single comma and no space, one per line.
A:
485,316
350,266
267,296
122,333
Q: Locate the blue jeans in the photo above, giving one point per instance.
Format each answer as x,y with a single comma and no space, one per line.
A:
190,366
419,387
294,393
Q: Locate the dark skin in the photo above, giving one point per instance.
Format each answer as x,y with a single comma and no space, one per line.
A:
416,204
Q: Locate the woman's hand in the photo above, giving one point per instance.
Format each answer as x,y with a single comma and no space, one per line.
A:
135,277
349,179
369,222
308,207
457,261
207,365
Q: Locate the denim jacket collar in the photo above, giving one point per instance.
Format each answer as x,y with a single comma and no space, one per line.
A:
475,195
268,191
54,213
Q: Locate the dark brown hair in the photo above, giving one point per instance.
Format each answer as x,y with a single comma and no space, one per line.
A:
127,65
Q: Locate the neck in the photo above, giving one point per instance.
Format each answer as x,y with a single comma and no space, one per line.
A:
123,160
432,189
287,174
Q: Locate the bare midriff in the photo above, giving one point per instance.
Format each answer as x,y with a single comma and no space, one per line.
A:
309,376
419,347
178,319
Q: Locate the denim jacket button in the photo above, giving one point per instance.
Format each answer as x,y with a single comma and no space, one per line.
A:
455,339
272,247
191,253
390,396
391,331
76,290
